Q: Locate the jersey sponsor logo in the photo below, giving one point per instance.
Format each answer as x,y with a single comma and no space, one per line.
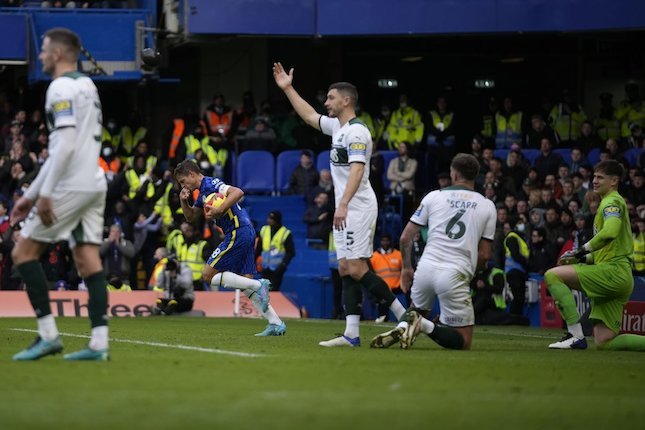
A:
62,108
610,211
417,213
357,148
339,156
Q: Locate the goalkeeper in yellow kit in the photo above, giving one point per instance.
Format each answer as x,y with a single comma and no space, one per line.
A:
601,268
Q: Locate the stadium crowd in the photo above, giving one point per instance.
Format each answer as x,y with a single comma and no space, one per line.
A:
535,167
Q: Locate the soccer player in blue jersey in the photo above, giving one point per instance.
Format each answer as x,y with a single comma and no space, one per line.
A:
232,264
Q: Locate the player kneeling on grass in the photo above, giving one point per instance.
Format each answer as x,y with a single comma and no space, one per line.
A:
232,264
461,227
601,268
176,281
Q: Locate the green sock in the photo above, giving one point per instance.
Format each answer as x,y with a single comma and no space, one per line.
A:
563,298
447,337
378,288
625,342
34,276
98,301
352,296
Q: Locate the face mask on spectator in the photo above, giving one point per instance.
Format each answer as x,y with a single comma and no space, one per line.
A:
520,227
107,151
204,164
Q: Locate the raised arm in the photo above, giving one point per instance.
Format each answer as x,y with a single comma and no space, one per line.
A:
302,108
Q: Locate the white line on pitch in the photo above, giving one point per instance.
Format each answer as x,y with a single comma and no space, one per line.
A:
159,344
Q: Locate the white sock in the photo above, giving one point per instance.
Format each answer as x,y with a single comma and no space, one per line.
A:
351,325
403,325
576,330
397,309
427,326
47,328
232,280
99,340
270,315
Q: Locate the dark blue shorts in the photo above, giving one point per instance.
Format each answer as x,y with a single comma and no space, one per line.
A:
236,253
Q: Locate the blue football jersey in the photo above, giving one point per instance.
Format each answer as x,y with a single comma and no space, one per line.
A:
234,218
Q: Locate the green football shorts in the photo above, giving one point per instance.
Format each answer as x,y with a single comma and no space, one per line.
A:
608,287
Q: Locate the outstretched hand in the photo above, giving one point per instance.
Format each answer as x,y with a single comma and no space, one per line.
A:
282,79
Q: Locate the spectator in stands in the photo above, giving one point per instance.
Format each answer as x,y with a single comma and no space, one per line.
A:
541,257
497,253
260,136
443,180
567,192
510,201
243,115
305,176
555,235
387,264
58,264
146,238
567,118
116,252
539,130
516,262
401,172
15,134
588,138
405,125
574,205
566,223
636,137
109,162
277,249
554,185
548,161
516,169
122,215
579,188
522,208
605,155
319,217
578,159
581,234
563,173
4,216
504,184
477,147
635,192
586,171
536,218
176,282
325,185
509,125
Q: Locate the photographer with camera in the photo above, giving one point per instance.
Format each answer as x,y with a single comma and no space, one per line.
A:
176,280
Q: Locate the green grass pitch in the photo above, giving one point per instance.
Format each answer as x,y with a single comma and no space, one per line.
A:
237,381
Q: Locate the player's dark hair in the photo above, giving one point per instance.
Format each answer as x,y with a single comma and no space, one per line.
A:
466,165
184,168
611,168
65,37
346,89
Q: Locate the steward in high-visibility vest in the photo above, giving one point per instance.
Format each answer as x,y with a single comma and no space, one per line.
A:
218,117
629,115
440,130
135,178
489,128
607,124
509,125
387,263
116,284
276,247
193,251
162,208
566,119
516,253
405,125
142,150
367,120
128,141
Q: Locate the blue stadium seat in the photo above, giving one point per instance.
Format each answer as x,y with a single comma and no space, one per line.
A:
593,156
501,153
565,153
285,165
632,156
322,162
530,155
256,172
387,157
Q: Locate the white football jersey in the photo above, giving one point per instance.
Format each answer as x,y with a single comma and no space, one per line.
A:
350,143
457,219
73,101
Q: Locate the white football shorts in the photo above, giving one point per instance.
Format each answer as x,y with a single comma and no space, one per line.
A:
79,219
451,287
357,239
